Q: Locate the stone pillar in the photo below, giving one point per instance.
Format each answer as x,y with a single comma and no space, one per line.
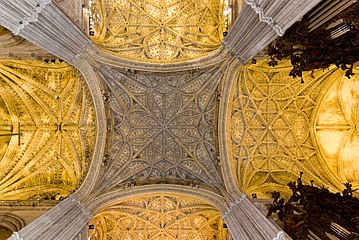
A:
246,222
65,221
43,23
262,21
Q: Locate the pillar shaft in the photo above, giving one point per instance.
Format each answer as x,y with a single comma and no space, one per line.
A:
44,24
262,21
246,222
65,221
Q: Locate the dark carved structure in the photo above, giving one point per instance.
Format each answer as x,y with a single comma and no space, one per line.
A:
318,213
334,42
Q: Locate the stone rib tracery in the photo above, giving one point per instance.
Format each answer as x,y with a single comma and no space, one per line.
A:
57,124
158,31
164,127
270,128
158,217
337,128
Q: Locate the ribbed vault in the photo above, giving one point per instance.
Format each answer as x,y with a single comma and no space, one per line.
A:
163,216
47,129
163,127
157,31
271,128
337,128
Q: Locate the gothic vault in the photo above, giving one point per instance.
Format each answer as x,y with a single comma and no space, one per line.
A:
145,120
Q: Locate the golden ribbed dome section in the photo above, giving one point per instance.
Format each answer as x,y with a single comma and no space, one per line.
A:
337,128
157,30
47,129
162,216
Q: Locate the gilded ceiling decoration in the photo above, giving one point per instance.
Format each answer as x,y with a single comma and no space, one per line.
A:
164,127
47,129
159,217
337,128
157,30
271,136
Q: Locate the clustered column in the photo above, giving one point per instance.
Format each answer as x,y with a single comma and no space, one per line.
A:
262,21
246,222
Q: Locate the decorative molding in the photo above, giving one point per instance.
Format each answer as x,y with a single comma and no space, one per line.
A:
232,205
15,236
33,18
263,18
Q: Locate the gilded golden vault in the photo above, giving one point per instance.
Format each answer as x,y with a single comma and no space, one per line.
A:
337,128
157,30
156,217
47,129
274,135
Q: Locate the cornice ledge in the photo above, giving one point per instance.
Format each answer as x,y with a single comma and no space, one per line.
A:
33,17
232,205
263,18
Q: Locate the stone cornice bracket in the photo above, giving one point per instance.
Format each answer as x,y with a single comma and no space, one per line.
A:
81,206
232,205
15,236
33,17
263,18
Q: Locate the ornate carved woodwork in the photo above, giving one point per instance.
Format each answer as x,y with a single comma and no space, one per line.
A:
48,128
271,128
158,217
157,31
316,213
320,48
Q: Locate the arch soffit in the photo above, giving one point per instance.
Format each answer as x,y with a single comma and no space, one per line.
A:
115,196
214,58
94,86
224,136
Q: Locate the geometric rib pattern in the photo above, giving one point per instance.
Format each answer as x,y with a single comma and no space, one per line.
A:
337,128
158,217
164,127
52,108
158,30
270,128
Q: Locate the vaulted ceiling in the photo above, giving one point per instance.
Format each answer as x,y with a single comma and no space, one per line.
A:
164,125
157,31
47,129
162,216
